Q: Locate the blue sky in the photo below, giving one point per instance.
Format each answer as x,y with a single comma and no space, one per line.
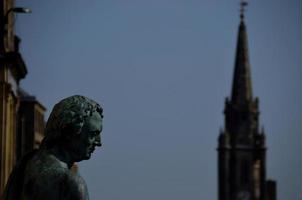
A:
162,69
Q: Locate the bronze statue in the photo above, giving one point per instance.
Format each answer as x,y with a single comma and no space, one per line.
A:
71,135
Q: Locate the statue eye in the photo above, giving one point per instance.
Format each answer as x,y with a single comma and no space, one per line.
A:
94,133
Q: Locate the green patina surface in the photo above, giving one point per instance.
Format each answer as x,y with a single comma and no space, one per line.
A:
71,135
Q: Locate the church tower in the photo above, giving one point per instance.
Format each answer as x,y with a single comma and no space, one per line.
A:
241,145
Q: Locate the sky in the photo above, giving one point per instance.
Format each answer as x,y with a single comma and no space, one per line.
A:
162,69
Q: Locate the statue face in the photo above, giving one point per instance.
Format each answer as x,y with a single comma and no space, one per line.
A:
82,145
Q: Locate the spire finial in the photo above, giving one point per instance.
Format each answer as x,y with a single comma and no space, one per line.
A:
243,4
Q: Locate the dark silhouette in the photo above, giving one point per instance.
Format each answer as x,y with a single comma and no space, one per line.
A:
71,135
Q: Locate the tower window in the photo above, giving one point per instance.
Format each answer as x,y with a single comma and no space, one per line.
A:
244,172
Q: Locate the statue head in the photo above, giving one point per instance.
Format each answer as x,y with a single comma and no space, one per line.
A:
74,125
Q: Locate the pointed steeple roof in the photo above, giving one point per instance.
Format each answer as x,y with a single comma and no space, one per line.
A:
242,86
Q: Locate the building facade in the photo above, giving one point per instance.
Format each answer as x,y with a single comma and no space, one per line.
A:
21,117
241,144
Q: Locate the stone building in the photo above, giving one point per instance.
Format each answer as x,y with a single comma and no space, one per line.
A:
241,144
21,115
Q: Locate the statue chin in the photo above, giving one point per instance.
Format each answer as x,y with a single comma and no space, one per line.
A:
80,158
87,156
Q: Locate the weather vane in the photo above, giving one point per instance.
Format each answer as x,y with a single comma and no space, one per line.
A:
243,4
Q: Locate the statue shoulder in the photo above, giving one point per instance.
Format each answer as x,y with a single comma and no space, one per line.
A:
43,165
48,176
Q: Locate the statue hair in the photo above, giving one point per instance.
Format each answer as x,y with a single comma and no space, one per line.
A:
67,118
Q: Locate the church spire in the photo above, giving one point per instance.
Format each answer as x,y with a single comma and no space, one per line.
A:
242,87
241,145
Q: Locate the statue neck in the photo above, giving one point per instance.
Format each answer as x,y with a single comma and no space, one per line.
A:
62,155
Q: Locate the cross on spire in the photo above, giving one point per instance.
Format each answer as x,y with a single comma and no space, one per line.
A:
243,4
